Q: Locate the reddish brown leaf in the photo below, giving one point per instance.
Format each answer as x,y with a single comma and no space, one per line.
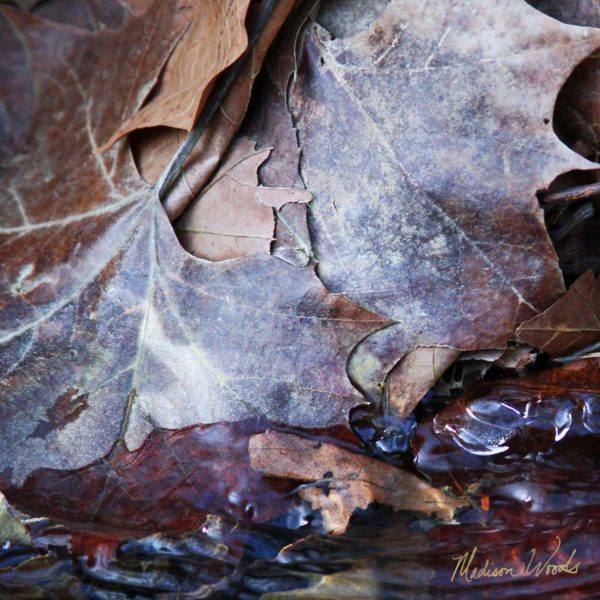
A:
570,324
214,38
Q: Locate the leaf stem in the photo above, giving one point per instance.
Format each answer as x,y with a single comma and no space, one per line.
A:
173,170
590,191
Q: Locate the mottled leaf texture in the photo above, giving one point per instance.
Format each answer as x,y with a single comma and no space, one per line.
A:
109,328
233,216
348,480
215,37
570,324
423,142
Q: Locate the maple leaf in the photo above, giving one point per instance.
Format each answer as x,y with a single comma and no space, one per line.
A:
570,324
109,328
424,140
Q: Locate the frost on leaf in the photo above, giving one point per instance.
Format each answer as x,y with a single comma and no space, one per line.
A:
424,140
109,329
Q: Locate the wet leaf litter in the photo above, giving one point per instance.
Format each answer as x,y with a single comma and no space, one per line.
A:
345,315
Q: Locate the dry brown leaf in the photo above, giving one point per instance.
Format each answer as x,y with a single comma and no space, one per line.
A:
233,216
215,37
415,375
353,480
154,154
570,324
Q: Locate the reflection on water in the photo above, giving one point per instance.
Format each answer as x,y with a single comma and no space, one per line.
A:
528,457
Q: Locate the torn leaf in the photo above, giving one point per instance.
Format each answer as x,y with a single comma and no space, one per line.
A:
233,216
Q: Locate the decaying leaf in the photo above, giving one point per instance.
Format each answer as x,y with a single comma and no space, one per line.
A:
270,124
424,140
570,324
415,375
347,480
516,358
233,216
214,38
109,328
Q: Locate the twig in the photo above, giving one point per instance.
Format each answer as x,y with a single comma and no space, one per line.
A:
590,191
223,86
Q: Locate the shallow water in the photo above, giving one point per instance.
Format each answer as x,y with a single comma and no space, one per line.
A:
527,452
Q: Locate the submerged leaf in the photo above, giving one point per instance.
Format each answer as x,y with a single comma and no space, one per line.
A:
347,480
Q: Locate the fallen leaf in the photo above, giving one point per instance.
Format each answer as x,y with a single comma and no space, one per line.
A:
92,15
345,18
352,480
424,167
270,124
516,358
415,375
109,329
570,324
214,38
233,216
281,62
214,142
